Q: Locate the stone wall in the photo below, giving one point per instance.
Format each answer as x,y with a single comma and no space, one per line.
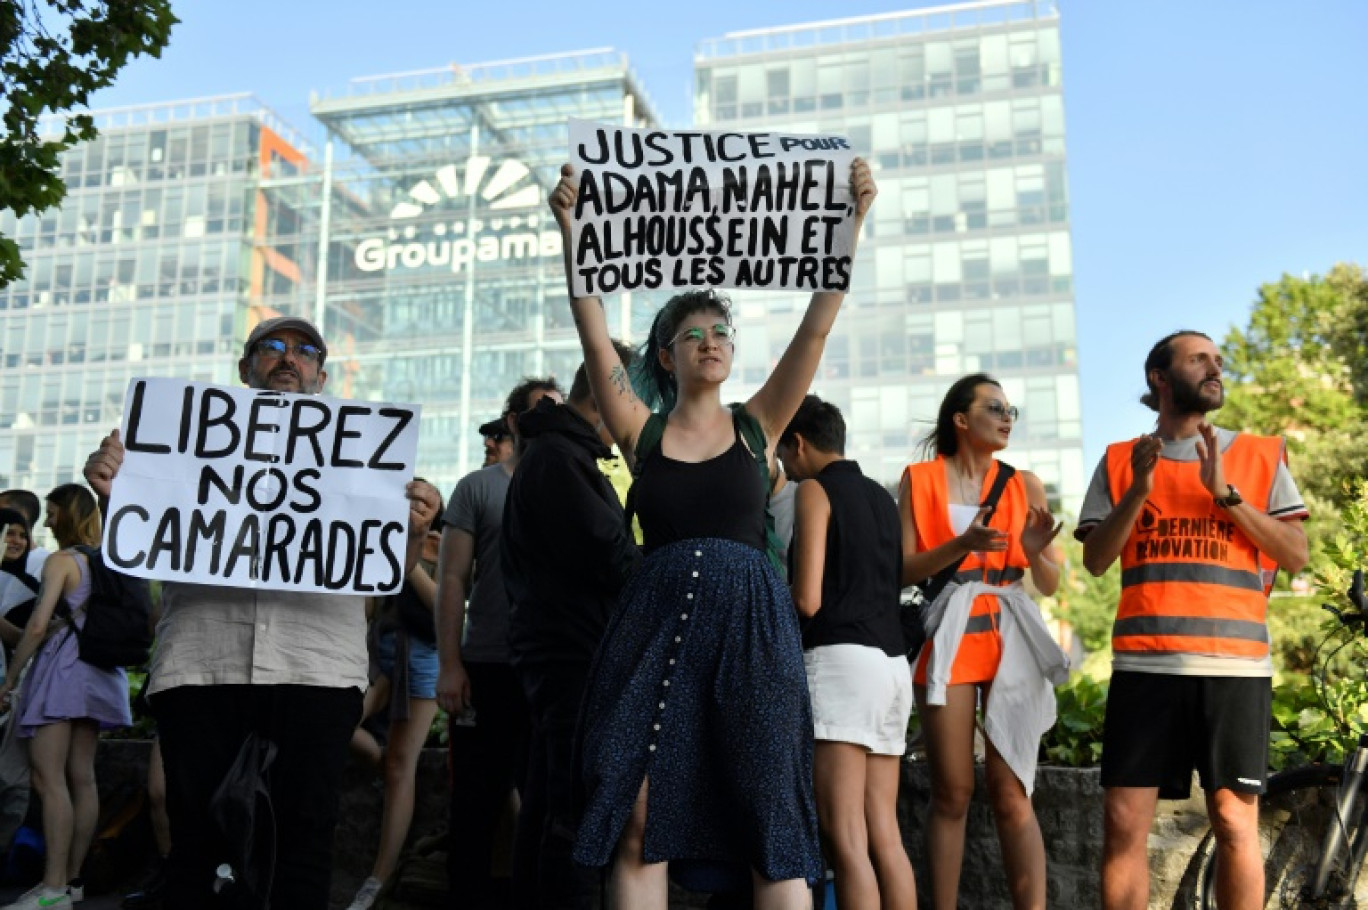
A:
1068,803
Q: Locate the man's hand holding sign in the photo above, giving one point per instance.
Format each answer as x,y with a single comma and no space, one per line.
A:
273,486
259,488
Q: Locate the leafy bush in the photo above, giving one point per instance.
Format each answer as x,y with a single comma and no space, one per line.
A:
1076,738
1320,702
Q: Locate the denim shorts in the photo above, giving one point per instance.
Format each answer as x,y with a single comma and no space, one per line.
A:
422,664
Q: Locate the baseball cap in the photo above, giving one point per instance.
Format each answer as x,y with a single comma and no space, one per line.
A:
495,428
281,324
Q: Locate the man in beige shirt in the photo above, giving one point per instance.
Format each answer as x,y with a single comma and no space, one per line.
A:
289,666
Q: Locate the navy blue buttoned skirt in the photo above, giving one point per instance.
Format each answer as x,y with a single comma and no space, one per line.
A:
699,688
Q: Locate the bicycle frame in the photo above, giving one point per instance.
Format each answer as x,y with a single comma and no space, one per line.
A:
1340,825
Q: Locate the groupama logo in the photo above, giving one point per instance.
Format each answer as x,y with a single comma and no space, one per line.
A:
498,229
505,189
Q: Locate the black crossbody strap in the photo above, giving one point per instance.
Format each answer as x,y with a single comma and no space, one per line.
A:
943,577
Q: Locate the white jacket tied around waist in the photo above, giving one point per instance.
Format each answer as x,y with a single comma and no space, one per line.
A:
1022,704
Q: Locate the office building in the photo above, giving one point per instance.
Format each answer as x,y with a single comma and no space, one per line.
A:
443,267
150,267
965,263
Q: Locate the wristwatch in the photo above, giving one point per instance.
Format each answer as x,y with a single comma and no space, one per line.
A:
1232,498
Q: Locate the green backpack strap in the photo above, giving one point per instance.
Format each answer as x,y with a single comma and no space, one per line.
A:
753,435
648,440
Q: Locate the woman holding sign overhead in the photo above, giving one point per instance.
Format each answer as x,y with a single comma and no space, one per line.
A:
697,732
65,702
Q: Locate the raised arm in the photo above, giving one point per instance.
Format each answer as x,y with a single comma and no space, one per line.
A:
623,412
778,399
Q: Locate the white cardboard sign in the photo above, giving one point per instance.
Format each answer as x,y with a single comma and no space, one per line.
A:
261,489
687,208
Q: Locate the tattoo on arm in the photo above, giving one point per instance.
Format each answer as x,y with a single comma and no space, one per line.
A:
618,377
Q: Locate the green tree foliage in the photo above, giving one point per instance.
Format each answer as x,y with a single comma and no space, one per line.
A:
1300,369
53,55
1320,705
1085,602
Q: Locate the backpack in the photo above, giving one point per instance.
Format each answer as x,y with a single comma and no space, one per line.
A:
117,614
242,814
752,434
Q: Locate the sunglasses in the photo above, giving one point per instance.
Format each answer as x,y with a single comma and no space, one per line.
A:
722,333
997,409
274,347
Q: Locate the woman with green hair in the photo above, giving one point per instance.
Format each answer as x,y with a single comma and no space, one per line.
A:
697,731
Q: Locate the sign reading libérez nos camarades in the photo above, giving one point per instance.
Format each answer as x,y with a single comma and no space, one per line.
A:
231,486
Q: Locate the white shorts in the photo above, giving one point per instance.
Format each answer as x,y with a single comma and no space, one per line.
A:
860,695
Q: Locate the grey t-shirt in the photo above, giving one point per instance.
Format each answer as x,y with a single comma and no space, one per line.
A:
781,507
476,507
1284,502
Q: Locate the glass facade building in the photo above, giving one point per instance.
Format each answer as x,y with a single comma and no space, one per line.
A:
150,267
429,255
414,230
965,263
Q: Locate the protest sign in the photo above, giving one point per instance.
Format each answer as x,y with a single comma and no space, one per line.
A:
261,489
686,208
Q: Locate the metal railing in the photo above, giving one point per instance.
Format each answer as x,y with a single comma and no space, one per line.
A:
491,71
186,111
866,28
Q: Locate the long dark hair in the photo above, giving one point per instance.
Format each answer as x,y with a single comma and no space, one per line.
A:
942,440
654,384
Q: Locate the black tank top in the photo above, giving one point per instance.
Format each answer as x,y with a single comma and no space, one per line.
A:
721,497
862,579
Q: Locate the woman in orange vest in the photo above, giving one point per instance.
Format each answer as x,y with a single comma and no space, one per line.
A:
987,643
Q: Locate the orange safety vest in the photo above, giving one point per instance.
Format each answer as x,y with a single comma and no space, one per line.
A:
1191,581
931,512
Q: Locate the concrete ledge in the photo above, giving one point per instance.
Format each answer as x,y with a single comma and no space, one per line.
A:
1068,804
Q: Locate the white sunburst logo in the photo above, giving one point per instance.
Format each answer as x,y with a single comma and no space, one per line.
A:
507,187
500,191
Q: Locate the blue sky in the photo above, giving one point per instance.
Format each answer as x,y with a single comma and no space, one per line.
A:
1212,146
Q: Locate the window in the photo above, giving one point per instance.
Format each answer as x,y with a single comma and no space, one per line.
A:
777,90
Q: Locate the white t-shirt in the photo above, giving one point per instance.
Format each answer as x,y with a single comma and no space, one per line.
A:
13,591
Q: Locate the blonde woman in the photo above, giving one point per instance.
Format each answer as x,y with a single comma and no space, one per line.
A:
65,702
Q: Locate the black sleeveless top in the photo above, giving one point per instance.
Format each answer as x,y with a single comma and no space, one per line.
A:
721,497
862,579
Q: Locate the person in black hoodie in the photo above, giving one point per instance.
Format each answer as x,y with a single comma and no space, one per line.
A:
566,552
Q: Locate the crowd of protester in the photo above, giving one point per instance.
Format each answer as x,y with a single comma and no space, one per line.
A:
710,682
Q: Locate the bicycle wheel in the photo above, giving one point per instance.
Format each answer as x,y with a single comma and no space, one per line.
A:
1294,816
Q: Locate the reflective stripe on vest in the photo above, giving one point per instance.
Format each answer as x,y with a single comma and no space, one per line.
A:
931,513
1003,576
1196,572
1190,580
1192,627
983,622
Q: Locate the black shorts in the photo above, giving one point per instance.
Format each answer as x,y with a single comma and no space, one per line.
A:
1159,727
